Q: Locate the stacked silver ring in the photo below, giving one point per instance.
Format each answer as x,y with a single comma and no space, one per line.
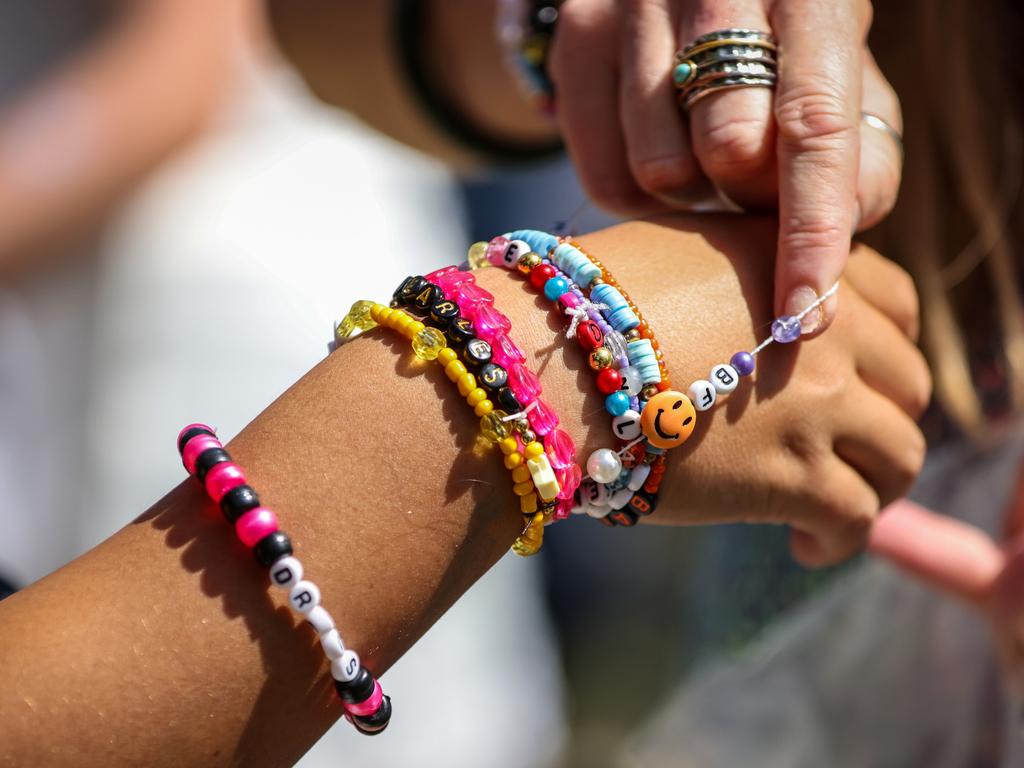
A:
726,58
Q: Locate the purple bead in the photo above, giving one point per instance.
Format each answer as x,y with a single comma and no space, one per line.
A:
786,329
743,362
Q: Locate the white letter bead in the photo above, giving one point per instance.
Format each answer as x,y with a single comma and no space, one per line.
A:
320,619
593,493
513,251
345,668
621,498
304,597
703,394
632,381
639,476
725,378
286,572
598,512
627,426
330,641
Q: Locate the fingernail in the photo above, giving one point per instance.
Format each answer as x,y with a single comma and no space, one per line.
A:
799,300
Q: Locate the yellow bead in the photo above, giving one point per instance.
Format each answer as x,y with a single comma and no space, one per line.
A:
478,395
513,460
530,541
600,358
521,489
534,449
483,407
428,343
477,256
447,355
360,317
508,446
413,328
521,474
493,428
467,383
455,370
375,312
528,503
385,315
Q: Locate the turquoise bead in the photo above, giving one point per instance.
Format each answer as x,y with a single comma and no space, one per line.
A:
617,403
682,73
555,287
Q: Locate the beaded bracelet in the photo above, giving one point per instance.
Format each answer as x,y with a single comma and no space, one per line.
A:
204,457
525,29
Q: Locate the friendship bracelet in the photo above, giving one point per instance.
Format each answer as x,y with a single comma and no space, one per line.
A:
204,457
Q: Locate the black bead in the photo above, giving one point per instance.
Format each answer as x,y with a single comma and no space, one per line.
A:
356,690
190,434
443,312
643,503
207,459
624,517
460,330
371,725
493,377
238,501
606,521
409,288
477,353
508,401
272,548
424,301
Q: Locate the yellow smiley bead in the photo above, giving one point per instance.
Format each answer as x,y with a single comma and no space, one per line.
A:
513,460
467,383
478,395
455,370
521,474
447,355
534,449
483,408
528,503
428,343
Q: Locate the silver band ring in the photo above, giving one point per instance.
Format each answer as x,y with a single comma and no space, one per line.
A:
725,58
874,121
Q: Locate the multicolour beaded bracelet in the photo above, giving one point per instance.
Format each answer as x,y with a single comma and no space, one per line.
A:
204,457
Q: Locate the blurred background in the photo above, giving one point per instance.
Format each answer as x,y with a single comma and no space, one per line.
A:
163,172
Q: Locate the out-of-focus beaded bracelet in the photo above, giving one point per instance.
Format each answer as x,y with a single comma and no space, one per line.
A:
204,457
524,29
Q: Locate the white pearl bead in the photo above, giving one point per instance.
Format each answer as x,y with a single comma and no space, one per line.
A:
703,394
639,476
599,512
595,494
604,465
304,597
627,426
725,378
286,572
632,381
347,667
621,498
320,619
513,251
330,641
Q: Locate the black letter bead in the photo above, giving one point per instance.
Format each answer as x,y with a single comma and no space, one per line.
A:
476,353
492,377
190,434
356,690
460,330
508,401
238,501
272,548
373,724
624,517
207,459
643,503
409,288
424,301
443,311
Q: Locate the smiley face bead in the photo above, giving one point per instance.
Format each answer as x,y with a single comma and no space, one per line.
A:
668,419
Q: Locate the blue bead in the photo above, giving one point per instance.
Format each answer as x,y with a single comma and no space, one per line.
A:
555,287
743,362
617,403
786,329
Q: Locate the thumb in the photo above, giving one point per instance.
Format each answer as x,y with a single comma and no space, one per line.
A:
946,553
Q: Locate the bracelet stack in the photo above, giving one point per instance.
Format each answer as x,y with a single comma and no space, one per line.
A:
204,457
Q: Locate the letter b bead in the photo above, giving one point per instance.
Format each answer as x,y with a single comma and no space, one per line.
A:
725,378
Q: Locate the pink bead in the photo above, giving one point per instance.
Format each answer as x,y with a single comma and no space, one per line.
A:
369,706
561,449
568,301
196,446
437,273
564,509
505,353
222,478
194,426
472,296
569,480
489,323
542,418
496,250
525,385
450,281
255,524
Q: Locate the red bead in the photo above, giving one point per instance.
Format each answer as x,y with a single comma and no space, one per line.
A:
540,275
609,380
589,335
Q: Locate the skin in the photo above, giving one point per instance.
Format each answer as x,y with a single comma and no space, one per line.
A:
164,645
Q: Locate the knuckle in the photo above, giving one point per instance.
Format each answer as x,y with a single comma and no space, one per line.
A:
662,174
735,150
921,388
814,118
806,230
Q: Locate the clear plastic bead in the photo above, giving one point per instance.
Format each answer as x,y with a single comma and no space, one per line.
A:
428,343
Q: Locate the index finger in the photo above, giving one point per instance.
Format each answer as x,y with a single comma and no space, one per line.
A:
817,113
